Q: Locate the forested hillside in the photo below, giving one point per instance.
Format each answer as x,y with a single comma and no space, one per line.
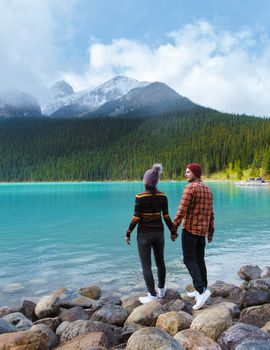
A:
122,148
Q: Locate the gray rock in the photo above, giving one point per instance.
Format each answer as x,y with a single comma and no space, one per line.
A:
48,306
52,322
6,327
175,305
254,345
130,302
146,314
5,310
112,314
128,331
73,314
84,327
256,315
61,328
256,297
249,272
265,272
152,338
114,300
229,291
260,283
239,333
28,310
18,320
92,292
52,339
171,294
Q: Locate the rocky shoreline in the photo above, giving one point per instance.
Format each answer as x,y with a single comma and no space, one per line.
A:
236,317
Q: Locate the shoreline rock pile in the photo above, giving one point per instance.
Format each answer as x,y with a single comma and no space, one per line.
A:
235,318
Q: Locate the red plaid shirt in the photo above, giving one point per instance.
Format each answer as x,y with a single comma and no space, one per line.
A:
195,210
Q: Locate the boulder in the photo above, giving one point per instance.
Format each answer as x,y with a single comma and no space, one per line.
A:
51,322
152,338
112,314
256,315
52,339
146,314
25,340
191,339
265,272
229,291
128,331
73,314
61,328
48,306
130,302
6,327
92,292
94,340
249,272
5,310
266,327
81,301
256,297
73,329
171,294
260,283
213,321
28,310
254,345
239,333
175,305
18,320
172,322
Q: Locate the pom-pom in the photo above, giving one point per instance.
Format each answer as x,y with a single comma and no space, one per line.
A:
157,168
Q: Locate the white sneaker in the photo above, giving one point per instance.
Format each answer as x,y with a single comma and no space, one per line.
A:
192,294
201,299
162,292
148,298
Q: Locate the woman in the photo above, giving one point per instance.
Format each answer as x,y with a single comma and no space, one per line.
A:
147,214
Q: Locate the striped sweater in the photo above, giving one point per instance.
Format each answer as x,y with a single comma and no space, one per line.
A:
148,210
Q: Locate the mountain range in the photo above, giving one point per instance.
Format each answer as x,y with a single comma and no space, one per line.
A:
118,96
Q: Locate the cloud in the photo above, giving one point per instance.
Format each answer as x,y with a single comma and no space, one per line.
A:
215,67
29,52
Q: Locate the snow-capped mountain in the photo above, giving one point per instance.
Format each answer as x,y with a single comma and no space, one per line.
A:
152,99
89,100
15,103
61,89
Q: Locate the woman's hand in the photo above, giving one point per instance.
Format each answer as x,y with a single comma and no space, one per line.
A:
127,238
174,236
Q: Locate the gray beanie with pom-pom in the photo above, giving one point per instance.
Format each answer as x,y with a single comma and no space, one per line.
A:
152,176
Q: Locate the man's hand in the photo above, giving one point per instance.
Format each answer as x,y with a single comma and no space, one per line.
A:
210,237
127,238
174,236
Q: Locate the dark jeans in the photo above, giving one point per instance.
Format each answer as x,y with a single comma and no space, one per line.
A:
147,242
193,251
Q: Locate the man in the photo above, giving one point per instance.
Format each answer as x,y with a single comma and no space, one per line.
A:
197,216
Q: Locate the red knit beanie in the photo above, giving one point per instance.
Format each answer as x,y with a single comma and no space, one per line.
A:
196,169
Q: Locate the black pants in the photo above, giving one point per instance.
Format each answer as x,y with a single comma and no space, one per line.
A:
147,242
193,251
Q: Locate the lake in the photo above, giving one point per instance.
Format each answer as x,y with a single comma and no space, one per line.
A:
72,235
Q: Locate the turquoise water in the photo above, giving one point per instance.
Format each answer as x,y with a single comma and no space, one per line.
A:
72,235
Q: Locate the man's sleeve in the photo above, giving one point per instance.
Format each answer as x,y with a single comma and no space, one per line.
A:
183,206
136,216
211,227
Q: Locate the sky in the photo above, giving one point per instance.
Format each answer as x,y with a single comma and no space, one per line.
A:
215,52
